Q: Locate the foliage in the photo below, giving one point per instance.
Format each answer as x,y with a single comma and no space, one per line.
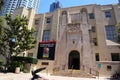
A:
118,30
14,64
1,63
25,59
19,61
1,4
1,26
18,28
3,46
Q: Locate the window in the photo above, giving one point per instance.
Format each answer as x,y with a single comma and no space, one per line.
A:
93,29
75,17
46,35
36,34
30,54
48,20
91,16
109,67
115,56
37,21
107,14
95,41
97,56
111,32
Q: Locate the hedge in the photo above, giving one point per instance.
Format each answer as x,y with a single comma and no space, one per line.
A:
24,59
12,66
1,62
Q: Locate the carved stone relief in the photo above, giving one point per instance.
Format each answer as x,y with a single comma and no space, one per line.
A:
73,27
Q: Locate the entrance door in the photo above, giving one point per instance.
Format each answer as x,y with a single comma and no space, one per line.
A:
74,60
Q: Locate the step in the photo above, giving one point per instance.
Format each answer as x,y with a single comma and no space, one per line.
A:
73,73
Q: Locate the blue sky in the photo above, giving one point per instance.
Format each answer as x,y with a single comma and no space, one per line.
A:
45,4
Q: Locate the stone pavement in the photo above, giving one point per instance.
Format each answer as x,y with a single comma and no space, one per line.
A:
27,76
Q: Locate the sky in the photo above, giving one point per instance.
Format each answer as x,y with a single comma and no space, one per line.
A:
45,4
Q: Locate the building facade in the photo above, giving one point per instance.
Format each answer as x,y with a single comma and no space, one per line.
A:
10,5
78,41
54,6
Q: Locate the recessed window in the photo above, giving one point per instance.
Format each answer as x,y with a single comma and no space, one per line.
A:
109,67
37,21
46,35
48,20
111,32
36,34
95,41
97,56
93,29
115,56
75,17
91,16
107,14
30,54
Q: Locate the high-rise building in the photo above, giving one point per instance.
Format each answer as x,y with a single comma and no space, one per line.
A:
10,5
55,5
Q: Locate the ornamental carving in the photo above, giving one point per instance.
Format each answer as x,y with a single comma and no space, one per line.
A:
73,27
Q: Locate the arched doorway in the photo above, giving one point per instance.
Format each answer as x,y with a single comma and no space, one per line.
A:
74,60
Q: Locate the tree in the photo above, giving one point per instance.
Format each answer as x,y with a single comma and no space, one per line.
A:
1,4
118,30
3,46
17,29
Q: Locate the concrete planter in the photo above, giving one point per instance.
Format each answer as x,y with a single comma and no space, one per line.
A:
17,70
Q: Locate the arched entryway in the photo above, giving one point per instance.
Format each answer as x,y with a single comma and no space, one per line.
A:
74,60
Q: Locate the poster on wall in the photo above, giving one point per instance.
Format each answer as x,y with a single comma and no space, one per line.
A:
46,50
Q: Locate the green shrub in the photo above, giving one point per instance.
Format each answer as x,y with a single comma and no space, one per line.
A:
12,66
25,59
1,63
20,61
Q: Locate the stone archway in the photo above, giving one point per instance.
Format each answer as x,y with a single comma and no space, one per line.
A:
74,60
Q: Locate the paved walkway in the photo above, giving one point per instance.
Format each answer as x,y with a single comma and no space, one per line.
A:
27,76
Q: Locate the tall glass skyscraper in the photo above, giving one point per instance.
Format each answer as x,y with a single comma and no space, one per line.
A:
10,5
54,6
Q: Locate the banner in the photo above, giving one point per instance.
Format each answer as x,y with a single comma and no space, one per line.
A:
46,50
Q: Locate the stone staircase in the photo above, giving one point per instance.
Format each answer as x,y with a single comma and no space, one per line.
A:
74,73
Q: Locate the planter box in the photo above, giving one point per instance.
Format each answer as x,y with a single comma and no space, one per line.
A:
17,70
